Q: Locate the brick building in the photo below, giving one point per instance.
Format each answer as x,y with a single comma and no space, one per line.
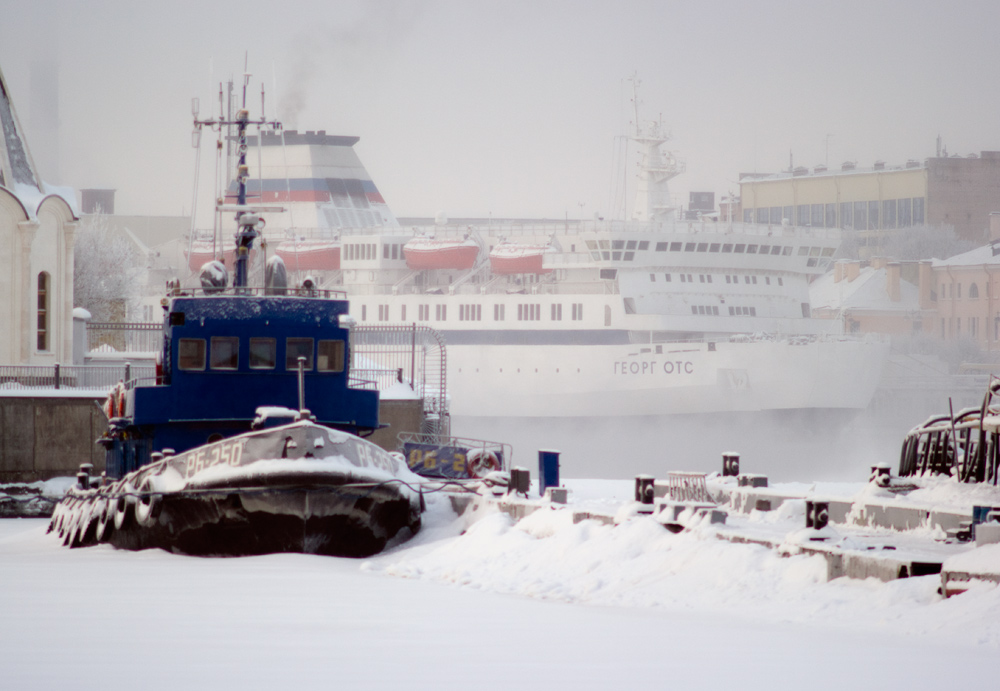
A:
957,191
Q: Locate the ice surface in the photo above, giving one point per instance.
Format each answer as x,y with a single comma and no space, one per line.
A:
538,603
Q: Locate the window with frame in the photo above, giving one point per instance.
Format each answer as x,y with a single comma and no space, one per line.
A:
296,348
191,354
224,353
498,312
330,356
556,312
263,353
43,311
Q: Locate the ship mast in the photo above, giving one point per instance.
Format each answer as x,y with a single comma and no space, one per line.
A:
248,220
656,167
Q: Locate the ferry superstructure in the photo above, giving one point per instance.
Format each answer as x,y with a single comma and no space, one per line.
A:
652,316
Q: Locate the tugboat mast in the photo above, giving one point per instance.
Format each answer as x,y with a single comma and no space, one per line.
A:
248,220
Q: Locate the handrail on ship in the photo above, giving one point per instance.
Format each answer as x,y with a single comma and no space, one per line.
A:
288,292
537,228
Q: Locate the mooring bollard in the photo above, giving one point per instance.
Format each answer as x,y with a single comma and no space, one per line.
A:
520,481
880,475
83,477
557,495
644,492
749,480
730,464
548,470
817,514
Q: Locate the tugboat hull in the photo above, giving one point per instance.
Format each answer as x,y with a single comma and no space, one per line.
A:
331,493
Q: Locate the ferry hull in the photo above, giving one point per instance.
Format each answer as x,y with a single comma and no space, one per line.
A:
634,380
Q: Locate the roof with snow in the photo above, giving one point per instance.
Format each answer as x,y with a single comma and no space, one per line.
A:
987,254
869,291
17,169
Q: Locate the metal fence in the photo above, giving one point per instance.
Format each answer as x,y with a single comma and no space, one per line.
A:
99,378
409,354
124,337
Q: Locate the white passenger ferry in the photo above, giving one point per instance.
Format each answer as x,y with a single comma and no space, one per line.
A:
654,316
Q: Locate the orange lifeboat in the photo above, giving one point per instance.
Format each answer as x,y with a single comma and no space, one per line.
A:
310,255
511,258
448,253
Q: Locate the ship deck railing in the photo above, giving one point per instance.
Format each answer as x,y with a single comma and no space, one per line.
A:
540,228
257,291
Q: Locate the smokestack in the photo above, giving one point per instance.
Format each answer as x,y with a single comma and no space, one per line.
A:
892,281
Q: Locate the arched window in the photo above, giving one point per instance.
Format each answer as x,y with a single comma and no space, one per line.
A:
43,311
973,292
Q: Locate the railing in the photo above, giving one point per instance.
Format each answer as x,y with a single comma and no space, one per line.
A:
124,337
98,378
414,355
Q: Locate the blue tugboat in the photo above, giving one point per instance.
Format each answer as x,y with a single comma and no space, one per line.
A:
249,441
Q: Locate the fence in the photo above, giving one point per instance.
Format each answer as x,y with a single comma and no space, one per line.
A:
99,378
382,355
126,337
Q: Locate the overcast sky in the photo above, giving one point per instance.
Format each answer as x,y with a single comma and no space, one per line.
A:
509,108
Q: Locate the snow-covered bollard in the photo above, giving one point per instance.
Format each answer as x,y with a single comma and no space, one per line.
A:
817,514
880,475
520,481
557,495
730,464
644,492
83,477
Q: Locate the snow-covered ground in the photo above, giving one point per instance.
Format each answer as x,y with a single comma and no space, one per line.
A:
539,603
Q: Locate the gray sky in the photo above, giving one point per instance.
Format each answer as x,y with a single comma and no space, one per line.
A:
510,108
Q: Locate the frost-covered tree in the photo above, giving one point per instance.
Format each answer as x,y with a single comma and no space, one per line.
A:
107,269
906,244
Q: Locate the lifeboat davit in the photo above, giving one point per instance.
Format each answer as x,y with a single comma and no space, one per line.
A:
512,258
201,252
310,255
432,253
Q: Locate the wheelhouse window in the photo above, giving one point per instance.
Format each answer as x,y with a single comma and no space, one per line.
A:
225,353
330,356
296,348
263,353
191,354
43,311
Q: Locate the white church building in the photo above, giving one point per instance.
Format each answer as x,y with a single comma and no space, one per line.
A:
37,227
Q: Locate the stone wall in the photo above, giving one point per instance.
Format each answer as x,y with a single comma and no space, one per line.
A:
42,438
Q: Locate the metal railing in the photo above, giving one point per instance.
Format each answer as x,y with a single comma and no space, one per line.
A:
98,378
124,337
411,354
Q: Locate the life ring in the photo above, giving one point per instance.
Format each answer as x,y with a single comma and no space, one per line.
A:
482,462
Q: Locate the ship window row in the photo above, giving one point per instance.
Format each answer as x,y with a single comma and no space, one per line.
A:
392,250
710,310
735,311
884,214
222,353
707,278
468,313
725,247
359,251
630,245
529,312
474,312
